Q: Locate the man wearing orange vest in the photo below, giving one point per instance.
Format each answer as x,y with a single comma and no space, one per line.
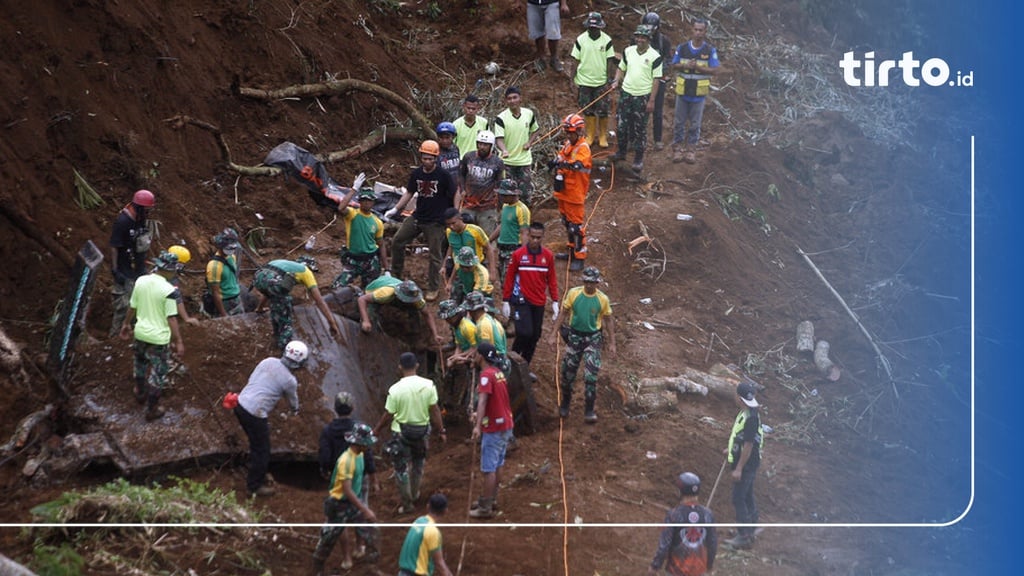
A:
572,180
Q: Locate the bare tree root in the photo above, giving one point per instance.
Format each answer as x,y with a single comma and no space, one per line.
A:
22,222
338,87
372,140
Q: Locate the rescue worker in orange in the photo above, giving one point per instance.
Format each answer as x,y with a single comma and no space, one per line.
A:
572,180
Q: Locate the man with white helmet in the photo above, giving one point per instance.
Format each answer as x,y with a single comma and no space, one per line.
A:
129,244
479,174
271,380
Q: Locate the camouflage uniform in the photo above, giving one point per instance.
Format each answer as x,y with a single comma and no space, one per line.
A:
523,176
154,356
277,287
408,451
354,266
585,349
339,514
590,94
632,121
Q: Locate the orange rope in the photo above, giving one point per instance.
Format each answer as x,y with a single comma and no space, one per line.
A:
558,388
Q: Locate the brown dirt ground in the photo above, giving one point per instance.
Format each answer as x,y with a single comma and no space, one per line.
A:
88,85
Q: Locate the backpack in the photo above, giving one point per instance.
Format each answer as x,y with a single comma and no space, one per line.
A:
689,555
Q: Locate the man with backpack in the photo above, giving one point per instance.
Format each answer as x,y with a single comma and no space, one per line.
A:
275,282
686,550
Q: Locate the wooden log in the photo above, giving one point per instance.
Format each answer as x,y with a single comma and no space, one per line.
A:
805,336
823,363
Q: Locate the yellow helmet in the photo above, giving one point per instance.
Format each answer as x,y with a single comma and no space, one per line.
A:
181,252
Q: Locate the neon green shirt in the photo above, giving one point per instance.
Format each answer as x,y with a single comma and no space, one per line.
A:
153,302
409,401
640,70
516,132
593,57
465,136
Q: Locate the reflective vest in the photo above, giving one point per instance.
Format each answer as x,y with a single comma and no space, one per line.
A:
737,427
690,81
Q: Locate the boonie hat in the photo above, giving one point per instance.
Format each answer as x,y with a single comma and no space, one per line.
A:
367,194
448,309
166,261
361,435
591,274
308,261
594,20
467,257
475,301
507,188
408,292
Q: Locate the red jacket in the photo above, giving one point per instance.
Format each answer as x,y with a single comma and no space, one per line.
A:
535,273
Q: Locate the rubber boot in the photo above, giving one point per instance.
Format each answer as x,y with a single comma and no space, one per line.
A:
485,510
414,484
589,416
575,264
405,492
563,408
602,132
154,411
591,125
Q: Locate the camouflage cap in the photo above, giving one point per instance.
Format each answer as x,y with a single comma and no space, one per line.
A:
475,301
308,261
507,187
367,194
591,274
361,435
408,292
467,257
644,30
594,20
224,240
166,261
448,309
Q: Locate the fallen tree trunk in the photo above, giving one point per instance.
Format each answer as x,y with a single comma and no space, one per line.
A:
372,140
823,362
338,87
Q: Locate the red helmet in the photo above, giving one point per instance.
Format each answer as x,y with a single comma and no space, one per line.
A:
144,198
573,123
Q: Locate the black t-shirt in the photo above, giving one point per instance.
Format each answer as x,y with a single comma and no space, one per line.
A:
436,193
129,263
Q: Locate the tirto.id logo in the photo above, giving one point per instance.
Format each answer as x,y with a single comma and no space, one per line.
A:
933,72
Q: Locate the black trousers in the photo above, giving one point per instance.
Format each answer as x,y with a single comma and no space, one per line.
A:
258,431
743,498
529,321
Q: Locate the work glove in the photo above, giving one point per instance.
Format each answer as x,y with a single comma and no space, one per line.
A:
390,214
358,182
554,311
506,310
552,164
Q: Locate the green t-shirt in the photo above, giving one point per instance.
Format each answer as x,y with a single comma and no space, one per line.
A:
472,236
514,217
409,401
363,232
224,275
350,466
489,330
423,539
586,312
592,56
516,132
465,136
640,70
153,302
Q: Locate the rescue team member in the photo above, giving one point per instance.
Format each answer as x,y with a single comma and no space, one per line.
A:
129,243
589,314
271,380
275,282
744,455
572,181
596,55
695,62
529,281
365,255
492,425
513,223
390,290
639,70
421,553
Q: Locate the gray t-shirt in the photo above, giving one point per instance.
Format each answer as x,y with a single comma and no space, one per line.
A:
267,384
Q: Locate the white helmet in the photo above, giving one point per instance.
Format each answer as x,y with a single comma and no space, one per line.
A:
296,351
485,137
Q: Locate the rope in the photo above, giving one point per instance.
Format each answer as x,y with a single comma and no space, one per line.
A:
469,504
317,233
